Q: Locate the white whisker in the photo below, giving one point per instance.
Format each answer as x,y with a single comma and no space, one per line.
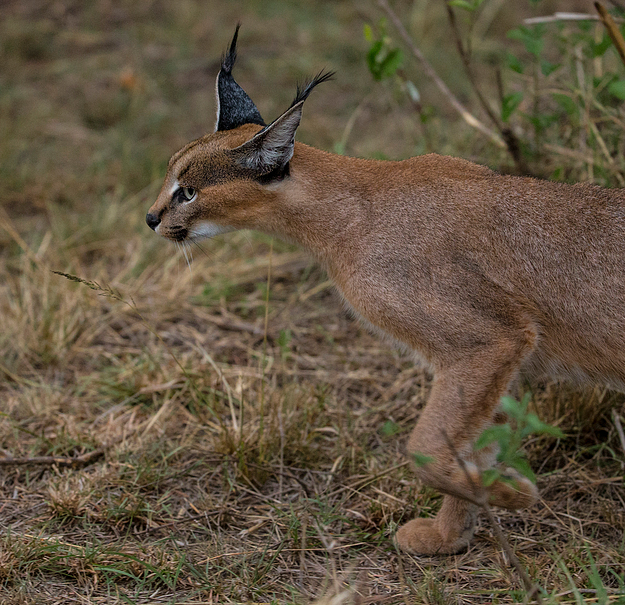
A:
246,235
178,248
184,251
190,251
202,250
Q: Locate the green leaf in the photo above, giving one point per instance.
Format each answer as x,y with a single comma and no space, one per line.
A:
598,49
535,423
547,68
542,428
284,338
516,34
462,4
520,464
498,432
617,89
514,63
389,428
512,407
383,61
375,49
421,459
119,572
368,31
531,37
509,104
535,46
392,62
489,476
554,431
567,103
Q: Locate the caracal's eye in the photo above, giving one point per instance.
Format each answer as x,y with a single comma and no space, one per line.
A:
188,193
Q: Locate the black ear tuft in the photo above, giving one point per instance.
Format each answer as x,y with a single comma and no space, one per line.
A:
228,59
234,107
304,90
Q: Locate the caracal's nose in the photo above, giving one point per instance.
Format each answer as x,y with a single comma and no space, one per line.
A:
152,220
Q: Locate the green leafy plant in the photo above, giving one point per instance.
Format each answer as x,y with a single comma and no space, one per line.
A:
389,429
383,59
566,93
531,37
560,88
510,438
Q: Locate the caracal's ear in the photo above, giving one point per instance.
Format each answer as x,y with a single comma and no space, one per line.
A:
234,107
272,148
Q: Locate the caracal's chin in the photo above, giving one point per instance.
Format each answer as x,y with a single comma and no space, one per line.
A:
206,230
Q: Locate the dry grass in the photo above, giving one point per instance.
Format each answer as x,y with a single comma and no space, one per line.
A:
248,464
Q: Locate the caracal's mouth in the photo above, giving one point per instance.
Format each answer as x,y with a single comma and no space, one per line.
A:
175,234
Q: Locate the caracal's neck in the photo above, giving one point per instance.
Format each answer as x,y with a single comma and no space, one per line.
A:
328,202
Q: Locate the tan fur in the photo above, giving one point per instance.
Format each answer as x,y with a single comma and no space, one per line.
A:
482,275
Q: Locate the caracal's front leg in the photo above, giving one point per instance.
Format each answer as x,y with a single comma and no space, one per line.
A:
463,402
447,533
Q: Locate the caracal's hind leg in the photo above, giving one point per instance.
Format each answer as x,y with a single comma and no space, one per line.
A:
462,403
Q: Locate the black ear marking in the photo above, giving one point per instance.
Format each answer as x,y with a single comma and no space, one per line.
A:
234,107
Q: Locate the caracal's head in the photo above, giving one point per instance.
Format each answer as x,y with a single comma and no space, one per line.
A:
221,181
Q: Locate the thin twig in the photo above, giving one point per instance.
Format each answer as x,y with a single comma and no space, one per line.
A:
466,61
563,17
533,590
73,462
468,117
569,153
511,140
619,429
402,575
302,558
612,29
265,333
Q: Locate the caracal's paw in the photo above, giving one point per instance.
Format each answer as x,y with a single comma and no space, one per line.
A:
423,537
519,492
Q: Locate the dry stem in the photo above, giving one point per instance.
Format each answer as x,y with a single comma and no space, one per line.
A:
533,590
512,142
619,429
66,461
613,30
468,117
